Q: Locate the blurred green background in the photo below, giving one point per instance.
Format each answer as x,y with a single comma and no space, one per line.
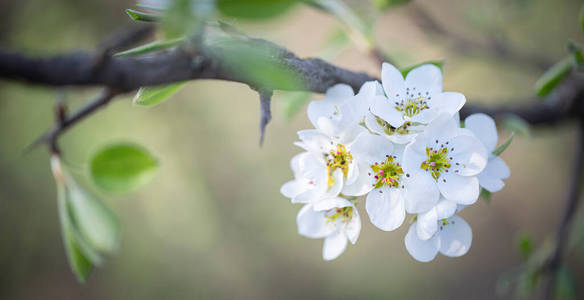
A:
213,224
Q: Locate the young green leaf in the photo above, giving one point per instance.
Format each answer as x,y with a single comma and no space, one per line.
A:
79,263
504,146
293,103
386,4
122,168
150,47
516,124
550,79
525,246
154,95
254,9
437,63
97,224
142,16
577,54
486,196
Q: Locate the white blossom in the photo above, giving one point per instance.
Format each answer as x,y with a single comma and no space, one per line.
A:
446,159
484,128
337,221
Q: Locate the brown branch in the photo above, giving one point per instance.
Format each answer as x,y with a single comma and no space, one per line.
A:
563,233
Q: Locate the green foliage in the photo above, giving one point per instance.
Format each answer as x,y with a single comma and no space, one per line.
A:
517,125
345,14
185,17
386,4
122,167
581,18
438,63
254,9
577,54
550,79
79,263
504,146
566,288
525,246
151,96
150,47
255,63
142,16
486,196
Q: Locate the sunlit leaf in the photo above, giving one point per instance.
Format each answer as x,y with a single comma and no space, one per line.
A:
151,96
150,47
79,263
437,63
550,79
504,146
142,16
254,9
95,221
122,168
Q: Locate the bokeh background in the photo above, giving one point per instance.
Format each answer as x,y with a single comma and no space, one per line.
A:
213,224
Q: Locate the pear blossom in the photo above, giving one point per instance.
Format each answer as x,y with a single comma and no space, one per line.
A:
410,103
484,128
446,159
337,221
453,237
392,192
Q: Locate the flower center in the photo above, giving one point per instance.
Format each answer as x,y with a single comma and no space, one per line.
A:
390,130
338,159
345,214
412,106
388,173
437,162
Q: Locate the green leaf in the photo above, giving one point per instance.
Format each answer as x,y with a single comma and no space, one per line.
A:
256,63
504,146
97,224
293,103
516,124
122,168
525,246
486,196
550,79
347,16
566,288
254,9
185,17
150,47
581,17
79,263
437,63
142,16
151,96
386,4
578,56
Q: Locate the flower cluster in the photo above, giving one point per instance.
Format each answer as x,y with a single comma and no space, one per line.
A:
401,144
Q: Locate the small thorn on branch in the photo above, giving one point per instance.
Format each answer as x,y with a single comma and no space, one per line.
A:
265,111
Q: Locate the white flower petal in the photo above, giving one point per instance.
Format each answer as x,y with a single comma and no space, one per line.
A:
491,177
334,245
313,224
353,228
470,153
340,90
335,189
369,148
392,80
484,129
291,189
455,238
425,78
459,189
314,140
421,192
449,102
445,208
330,203
420,250
385,207
414,155
427,224
362,185
385,109
425,116
372,124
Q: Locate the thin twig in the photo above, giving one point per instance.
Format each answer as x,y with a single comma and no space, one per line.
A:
563,233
